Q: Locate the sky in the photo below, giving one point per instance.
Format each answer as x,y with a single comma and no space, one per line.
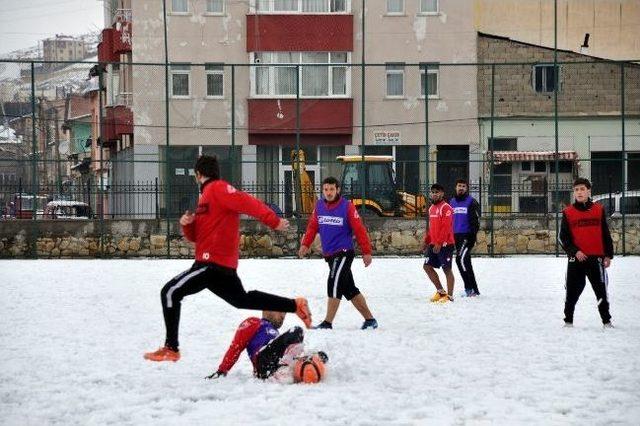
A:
24,22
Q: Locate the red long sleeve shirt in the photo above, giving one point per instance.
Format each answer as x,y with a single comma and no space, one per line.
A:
215,230
440,224
359,231
247,329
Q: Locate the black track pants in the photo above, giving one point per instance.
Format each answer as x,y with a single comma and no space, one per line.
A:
463,260
269,357
225,283
577,272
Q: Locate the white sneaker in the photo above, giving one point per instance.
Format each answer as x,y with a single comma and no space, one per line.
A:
607,325
568,325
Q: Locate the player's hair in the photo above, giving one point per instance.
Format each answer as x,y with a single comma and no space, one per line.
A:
464,181
208,166
582,181
437,187
331,181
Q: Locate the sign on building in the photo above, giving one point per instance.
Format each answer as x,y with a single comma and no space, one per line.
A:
386,137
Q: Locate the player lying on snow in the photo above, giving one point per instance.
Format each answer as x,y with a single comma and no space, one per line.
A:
273,355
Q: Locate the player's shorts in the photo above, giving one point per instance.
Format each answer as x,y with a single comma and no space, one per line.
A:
340,282
442,259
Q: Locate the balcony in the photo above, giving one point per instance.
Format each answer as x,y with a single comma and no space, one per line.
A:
117,122
322,121
105,47
124,99
114,41
298,33
122,15
122,37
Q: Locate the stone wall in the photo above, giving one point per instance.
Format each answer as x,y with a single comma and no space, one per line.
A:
590,89
148,238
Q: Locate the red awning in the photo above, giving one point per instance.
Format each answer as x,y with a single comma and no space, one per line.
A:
502,156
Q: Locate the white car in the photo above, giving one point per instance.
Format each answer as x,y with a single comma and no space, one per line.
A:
613,203
70,210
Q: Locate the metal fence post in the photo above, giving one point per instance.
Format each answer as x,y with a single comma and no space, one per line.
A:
167,195
157,199
491,146
297,187
555,113
624,161
426,139
34,163
233,125
362,115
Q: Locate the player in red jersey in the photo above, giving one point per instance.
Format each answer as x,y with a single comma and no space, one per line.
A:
439,244
271,353
214,228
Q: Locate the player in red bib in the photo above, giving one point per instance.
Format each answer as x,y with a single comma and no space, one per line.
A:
585,237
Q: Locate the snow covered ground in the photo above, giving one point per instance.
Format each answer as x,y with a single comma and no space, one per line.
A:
73,333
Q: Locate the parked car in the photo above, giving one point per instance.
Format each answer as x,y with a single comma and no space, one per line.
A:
26,206
612,203
70,210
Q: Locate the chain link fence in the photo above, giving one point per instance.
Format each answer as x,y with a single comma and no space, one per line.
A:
108,141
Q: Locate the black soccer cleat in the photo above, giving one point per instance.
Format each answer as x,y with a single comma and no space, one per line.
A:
323,356
323,325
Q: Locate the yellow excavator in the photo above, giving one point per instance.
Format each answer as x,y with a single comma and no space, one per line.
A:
372,182
303,186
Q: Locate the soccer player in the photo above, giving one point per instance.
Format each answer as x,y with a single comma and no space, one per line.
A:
267,349
337,220
215,230
439,243
585,237
466,222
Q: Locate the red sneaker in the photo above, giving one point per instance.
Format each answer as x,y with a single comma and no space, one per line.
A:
163,354
302,311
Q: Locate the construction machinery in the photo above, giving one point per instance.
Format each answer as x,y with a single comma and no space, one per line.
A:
371,182
304,188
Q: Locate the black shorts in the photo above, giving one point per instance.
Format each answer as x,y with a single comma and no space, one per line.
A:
340,282
440,259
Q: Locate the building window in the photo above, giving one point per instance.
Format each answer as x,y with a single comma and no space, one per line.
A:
539,166
395,6
215,6
428,6
563,166
179,6
215,80
503,144
544,79
395,80
315,80
301,6
338,5
432,80
180,81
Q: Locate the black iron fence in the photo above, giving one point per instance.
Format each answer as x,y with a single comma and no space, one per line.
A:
158,200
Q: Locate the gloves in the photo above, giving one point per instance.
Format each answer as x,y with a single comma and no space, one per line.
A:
216,375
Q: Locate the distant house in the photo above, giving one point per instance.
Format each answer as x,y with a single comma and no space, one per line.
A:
589,128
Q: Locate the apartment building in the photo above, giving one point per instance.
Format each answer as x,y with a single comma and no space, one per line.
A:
274,44
63,48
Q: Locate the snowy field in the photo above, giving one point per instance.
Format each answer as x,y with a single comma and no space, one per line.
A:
73,333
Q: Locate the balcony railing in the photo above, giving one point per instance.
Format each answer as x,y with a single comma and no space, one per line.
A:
124,99
122,15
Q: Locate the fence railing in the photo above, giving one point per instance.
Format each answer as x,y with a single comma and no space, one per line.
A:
509,128
156,199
